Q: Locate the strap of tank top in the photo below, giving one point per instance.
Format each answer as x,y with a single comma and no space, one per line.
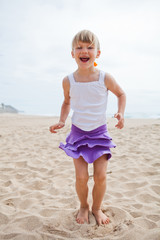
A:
71,78
102,76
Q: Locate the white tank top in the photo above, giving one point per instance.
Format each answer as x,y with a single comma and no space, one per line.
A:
88,102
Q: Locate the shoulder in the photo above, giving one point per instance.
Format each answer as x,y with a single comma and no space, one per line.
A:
66,82
109,80
108,76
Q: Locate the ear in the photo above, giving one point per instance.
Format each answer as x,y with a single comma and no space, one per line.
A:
98,53
72,53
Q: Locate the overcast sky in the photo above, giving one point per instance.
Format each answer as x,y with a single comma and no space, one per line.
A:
35,45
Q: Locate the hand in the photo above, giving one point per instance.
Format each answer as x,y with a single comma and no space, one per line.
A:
56,126
120,119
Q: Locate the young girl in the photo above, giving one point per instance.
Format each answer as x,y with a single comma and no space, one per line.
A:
86,91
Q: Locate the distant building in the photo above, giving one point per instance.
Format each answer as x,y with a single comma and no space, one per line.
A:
7,109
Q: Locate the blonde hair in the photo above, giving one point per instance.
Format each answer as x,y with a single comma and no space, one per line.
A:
87,37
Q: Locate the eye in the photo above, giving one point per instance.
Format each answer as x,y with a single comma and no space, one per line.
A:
78,47
90,47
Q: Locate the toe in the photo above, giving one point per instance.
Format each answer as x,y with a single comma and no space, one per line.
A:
80,221
106,221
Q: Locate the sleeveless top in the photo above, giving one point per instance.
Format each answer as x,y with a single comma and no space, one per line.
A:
88,102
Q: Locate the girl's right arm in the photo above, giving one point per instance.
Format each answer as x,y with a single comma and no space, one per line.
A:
65,109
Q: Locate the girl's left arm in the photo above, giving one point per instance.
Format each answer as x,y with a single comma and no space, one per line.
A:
114,87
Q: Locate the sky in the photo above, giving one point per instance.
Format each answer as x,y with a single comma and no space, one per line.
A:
35,47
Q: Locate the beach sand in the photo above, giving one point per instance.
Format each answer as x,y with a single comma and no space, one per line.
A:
37,182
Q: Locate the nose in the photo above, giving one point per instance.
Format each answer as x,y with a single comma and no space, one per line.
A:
84,50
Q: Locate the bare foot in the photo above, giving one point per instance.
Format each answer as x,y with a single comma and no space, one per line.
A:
82,215
100,217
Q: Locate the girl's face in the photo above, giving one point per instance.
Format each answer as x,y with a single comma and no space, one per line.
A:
85,54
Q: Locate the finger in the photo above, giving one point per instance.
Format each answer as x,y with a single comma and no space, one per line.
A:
118,125
52,130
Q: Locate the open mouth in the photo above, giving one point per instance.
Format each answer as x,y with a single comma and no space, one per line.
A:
84,59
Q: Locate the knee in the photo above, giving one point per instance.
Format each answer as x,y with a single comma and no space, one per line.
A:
82,179
100,178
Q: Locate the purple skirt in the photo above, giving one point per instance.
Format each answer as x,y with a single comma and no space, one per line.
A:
88,144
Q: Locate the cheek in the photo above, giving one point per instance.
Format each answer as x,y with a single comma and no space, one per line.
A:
94,53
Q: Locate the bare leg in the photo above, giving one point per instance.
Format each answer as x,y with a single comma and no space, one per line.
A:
100,167
81,168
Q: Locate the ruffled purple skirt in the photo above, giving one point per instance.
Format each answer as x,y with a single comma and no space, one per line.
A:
88,144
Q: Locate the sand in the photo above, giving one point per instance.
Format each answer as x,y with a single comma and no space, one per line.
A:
37,194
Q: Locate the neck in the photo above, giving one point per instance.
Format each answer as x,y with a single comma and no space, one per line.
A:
86,72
